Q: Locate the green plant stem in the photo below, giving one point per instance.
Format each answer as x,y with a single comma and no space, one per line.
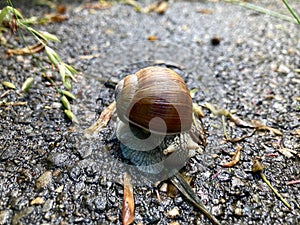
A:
52,82
275,191
262,10
224,128
291,11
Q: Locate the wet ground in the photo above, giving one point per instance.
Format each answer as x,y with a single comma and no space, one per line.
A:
50,176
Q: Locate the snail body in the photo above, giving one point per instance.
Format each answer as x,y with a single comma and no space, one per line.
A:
155,99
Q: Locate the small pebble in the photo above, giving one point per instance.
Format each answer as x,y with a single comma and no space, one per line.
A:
56,105
44,180
178,200
215,41
279,107
214,156
4,216
217,210
281,214
56,172
283,69
238,211
164,187
111,217
236,182
58,159
20,58
59,189
173,213
19,215
255,198
48,205
223,200
215,201
47,216
85,152
37,201
174,223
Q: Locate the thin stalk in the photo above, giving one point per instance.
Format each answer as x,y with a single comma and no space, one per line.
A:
263,10
275,191
291,11
224,128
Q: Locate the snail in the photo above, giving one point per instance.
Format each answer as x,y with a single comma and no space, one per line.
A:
155,121
155,109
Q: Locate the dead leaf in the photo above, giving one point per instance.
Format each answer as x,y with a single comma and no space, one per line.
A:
54,18
185,189
205,11
235,159
135,5
128,201
293,182
159,7
258,126
172,191
152,38
98,5
198,110
27,50
5,93
89,56
257,166
269,96
103,119
61,9
37,201
237,139
287,152
197,132
239,122
224,112
13,103
211,108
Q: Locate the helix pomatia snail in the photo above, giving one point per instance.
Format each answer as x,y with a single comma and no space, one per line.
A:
155,115
155,111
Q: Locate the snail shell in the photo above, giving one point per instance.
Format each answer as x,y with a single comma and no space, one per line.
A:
155,99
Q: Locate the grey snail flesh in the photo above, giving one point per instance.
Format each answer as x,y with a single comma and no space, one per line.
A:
149,157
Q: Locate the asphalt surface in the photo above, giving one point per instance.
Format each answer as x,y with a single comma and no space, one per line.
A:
236,58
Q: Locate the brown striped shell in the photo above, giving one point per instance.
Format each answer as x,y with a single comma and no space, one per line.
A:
155,99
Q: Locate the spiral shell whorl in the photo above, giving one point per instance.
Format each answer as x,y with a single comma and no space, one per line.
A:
155,92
